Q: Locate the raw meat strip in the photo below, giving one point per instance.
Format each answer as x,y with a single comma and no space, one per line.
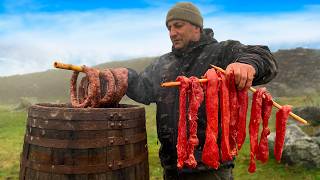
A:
210,153
182,125
281,121
195,100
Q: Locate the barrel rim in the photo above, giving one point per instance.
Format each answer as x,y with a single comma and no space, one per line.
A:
67,106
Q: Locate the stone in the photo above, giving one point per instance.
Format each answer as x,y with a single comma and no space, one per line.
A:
299,148
310,113
317,133
316,140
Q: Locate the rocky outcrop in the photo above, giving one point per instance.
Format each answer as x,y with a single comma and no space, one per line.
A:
316,139
299,148
317,133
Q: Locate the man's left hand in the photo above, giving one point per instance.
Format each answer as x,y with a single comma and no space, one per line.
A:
243,73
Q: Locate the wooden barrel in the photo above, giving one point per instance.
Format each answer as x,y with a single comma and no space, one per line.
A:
85,143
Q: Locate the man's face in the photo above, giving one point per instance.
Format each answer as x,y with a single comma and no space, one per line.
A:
182,33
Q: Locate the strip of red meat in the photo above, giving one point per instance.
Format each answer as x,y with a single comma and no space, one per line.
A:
182,125
225,118
242,118
234,115
210,153
281,121
256,110
263,150
195,100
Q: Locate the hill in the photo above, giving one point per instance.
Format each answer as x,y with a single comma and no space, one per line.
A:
299,74
51,85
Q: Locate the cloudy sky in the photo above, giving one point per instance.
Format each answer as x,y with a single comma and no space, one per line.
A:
34,33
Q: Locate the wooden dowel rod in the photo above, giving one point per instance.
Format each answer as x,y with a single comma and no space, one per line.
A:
67,66
175,83
294,116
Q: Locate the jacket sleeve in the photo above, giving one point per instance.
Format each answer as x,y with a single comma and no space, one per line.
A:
258,56
140,86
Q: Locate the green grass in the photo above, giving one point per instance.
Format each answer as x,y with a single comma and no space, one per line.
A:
12,127
153,144
271,170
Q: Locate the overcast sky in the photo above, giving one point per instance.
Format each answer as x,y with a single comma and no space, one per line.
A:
34,33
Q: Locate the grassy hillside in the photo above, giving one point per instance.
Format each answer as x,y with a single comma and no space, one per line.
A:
51,85
299,74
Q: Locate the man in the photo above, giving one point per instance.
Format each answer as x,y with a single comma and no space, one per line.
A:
193,50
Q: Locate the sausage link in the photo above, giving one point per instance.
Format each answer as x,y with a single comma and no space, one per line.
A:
121,81
108,78
92,100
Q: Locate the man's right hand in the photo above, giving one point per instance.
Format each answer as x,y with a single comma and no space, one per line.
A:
244,74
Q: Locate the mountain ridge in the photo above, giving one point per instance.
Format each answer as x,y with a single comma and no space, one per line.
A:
298,74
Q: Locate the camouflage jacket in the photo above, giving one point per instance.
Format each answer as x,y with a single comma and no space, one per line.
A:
193,61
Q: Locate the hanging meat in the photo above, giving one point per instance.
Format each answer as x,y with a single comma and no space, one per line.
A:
195,100
99,88
263,150
256,110
222,95
210,153
234,115
242,117
281,121
233,106
108,85
225,118
91,100
182,124
121,84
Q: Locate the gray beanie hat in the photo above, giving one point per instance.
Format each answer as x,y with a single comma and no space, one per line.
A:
185,11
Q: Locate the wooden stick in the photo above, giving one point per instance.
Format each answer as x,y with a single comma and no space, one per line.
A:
174,83
294,116
67,66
